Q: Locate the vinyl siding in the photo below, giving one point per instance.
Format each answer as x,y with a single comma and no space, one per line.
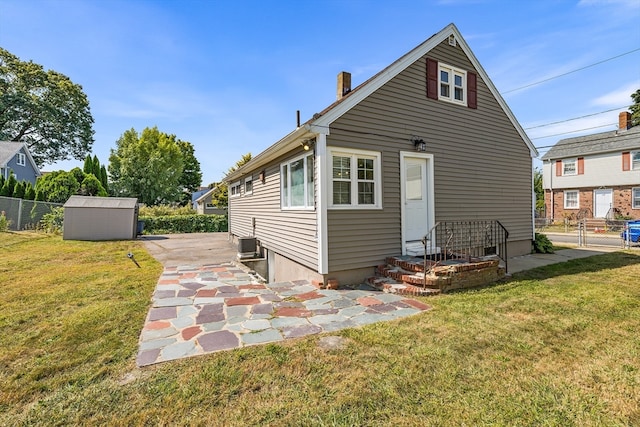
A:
482,167
291,233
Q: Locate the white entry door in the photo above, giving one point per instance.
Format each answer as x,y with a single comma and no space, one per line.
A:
417,198
602,201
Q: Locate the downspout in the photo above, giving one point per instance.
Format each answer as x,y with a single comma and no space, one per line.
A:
552,201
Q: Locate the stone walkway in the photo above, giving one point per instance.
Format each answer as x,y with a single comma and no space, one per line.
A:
199,310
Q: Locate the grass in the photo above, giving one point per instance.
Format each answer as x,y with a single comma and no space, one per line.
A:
555,346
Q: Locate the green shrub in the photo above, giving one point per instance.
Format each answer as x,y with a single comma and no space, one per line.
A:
542,244
165,210
52,222
4,222
193,223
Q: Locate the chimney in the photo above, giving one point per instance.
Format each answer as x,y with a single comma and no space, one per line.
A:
344,84
624,120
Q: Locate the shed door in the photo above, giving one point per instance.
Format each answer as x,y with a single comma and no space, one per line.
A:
417,198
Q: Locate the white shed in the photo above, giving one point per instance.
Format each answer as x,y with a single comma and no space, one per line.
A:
100,218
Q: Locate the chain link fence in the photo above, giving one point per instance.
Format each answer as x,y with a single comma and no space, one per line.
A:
24,214
601,232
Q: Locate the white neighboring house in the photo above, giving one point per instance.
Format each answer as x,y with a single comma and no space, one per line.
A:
594,176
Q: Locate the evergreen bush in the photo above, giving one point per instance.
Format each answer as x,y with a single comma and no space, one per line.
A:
542,244
194,223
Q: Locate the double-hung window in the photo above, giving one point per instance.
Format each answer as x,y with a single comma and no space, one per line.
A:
569,167
235,189
248,185
297,186
571,199
635,198
635,160
452,84
21,159
355,179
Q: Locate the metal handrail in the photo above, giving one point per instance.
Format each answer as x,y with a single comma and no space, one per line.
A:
464,240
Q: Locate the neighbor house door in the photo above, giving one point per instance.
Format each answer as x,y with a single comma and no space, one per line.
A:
602,201
417,198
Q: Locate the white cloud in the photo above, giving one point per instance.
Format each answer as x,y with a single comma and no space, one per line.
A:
617,97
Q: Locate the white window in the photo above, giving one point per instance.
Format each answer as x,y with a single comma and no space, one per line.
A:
355,179
571,199
21,159
635,160
297,187
635,198
569,167
248,185
453,84
235,189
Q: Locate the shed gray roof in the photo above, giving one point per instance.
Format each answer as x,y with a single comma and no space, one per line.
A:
101,202
604,142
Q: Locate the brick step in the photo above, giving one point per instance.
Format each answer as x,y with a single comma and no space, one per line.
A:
391,286
412,278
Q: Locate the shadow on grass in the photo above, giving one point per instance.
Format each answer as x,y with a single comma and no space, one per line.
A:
590,264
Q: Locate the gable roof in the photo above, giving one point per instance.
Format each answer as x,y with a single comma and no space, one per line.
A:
604,142
8,149
204,196
320,122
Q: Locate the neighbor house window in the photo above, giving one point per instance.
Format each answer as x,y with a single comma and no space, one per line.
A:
569,167
297,188
21,159
355,179
452,84
635,198
248,185
635,160
235,189
571,199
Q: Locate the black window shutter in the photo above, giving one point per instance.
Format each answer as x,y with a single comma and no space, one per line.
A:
472,89
432,78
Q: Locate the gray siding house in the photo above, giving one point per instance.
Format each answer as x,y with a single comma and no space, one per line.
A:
15,157
427,139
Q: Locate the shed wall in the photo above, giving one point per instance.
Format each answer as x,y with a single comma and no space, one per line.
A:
99,224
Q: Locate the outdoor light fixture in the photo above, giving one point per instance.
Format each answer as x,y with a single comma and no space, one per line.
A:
306,144
419,144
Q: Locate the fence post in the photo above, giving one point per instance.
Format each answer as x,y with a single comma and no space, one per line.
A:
19,220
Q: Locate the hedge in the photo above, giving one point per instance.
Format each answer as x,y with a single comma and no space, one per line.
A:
184,224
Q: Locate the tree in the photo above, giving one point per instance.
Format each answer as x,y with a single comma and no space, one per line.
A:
44,109
220,196
18,190
191,177
147,166
29,191
58,186
635,108
539,190
8,186
88,164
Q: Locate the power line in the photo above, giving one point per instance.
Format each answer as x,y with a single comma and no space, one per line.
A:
576,118
573,71
574,131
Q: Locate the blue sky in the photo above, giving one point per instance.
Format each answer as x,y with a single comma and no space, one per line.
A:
228,76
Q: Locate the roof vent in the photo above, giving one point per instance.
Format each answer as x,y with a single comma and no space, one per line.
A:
452,40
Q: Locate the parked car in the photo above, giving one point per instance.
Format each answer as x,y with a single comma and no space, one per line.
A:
633,228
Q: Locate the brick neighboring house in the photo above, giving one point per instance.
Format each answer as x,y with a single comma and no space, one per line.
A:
594,176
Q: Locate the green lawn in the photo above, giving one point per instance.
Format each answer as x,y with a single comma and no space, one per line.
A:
556,346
